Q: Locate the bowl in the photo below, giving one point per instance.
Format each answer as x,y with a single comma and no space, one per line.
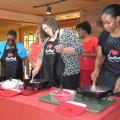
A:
62,95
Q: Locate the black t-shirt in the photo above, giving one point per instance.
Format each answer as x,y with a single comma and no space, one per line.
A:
102,38
110,70
111,49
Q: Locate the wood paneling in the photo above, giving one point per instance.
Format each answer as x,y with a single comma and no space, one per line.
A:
14,16
69,22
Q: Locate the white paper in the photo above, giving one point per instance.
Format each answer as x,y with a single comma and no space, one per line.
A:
15,90
77,103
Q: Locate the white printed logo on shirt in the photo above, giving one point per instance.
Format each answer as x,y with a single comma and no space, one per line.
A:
11,58
50,50
114,56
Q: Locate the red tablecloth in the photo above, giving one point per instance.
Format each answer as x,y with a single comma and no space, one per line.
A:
29,108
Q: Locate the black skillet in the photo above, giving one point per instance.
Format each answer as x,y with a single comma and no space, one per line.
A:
86,91
37,84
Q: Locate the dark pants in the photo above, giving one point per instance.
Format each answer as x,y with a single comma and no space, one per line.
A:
71,82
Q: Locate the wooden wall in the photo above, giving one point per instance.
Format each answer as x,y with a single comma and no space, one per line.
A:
87,14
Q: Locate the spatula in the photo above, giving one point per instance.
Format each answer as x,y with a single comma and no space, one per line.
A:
93,87
31,81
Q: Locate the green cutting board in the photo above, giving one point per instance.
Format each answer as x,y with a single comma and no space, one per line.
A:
92,102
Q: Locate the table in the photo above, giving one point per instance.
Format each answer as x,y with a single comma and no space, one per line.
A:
29,108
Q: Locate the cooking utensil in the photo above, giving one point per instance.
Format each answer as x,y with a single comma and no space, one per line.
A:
37,84
93,87
100,92
32,80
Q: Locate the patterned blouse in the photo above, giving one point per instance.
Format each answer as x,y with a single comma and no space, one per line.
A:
69,39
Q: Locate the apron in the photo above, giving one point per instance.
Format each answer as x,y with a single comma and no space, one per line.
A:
11,64
53,65
110,70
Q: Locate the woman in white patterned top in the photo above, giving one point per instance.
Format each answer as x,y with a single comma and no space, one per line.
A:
60,56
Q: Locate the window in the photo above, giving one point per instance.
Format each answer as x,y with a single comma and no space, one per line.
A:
29,38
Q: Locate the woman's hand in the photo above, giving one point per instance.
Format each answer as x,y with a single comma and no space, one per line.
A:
59,48
95,75
117,86
37,67
33,65
35,72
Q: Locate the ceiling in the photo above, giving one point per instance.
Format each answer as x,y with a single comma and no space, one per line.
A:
26,6
61,10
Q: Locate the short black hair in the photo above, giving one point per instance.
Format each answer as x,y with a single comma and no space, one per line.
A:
12,32
112,9
85,26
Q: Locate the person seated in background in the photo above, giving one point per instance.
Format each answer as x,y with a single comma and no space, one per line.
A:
59,56
107,64
87,58
34,51
12,57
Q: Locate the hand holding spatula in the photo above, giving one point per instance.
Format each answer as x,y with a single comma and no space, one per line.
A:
32,80
93,87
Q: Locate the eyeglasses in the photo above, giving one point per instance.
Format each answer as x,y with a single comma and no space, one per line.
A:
12,40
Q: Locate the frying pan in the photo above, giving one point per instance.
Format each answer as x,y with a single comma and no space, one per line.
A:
37,84
100,92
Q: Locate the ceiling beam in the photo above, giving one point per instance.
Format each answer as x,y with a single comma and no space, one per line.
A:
21,17
50,3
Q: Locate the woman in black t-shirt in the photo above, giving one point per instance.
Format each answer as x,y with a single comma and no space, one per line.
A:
107,65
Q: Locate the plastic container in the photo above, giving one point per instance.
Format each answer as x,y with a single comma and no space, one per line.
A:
12,84
62,95
9,85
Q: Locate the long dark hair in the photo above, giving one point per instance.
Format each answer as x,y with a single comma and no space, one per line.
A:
43,33
113,10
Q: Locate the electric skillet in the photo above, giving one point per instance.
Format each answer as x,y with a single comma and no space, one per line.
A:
100,92
36,84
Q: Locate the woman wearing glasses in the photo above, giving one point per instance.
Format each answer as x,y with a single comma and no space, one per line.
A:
12,56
